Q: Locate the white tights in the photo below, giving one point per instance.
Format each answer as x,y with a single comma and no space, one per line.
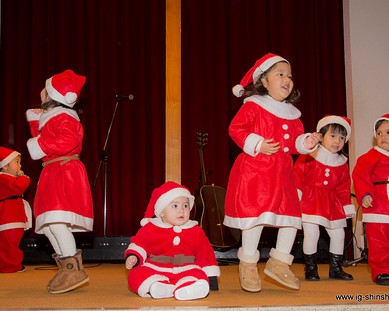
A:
311,238
251,237
61,238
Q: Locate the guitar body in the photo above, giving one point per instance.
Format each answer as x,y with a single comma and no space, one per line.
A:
220,236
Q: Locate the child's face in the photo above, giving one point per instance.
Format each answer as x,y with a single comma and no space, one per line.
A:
333,141
13,167
176,212
278,81
383,135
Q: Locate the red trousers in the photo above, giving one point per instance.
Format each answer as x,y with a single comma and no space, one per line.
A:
11,256
377,235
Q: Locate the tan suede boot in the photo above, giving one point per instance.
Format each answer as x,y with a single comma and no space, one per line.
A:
56,258
248,272
71,276
278,268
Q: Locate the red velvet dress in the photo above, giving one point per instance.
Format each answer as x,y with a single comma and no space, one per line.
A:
261,188
63,194
370,168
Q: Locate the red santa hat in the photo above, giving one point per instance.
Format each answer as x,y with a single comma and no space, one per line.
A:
384,117
164,195
65,87
260,66
344,121
7,155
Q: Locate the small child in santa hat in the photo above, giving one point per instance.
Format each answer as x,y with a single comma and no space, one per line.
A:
324,185
261,189
15,213
63,200
371,185
170,256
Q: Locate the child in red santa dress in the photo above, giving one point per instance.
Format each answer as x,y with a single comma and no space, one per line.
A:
171,256
371,185
63,201
15,213
261,189
324,185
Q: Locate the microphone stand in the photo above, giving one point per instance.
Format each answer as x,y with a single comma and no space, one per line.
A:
364,257
104,158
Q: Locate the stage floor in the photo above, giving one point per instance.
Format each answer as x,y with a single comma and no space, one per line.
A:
107,290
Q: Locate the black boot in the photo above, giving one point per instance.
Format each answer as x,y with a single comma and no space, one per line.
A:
336,271
311,273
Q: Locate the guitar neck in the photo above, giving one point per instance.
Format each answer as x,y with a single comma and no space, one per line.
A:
203,173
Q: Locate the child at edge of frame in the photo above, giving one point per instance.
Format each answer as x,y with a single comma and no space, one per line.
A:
170,255
371,184
15,212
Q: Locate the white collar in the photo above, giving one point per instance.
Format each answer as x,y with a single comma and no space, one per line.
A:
51,113
383,151
282,110
326,157
159,223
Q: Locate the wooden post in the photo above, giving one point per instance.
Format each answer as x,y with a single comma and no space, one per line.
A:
173,91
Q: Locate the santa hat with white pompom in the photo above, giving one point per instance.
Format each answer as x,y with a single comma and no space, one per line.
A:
260,66
65,87
164,195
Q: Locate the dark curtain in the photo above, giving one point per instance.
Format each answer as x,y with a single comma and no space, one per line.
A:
120,46
222,39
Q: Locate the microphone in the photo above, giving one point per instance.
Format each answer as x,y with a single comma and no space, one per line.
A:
130,97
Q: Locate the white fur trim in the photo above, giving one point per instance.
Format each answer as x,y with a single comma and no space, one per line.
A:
285,258
246,258
169,196
9,158
349,210
212,270
266,65
31,115
300,144
56,111
251,144
326,157
266,218
280,109
336,120
34,149
382,118
238,90
54,94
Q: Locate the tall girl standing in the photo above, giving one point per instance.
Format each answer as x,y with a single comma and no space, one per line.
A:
261,190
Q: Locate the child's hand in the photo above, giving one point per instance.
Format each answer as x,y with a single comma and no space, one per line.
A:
131,261
312,140
268,147
367,201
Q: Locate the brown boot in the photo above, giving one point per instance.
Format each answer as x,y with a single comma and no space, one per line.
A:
278,268
71,276
55,257
248,272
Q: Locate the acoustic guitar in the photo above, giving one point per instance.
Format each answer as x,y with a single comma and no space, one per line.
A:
209,201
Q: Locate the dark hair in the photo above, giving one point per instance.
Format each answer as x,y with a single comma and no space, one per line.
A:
378,123
335,128
53,103
259,89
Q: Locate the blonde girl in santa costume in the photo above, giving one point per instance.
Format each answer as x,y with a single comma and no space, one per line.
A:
170,256
15,213
63,200
324,185
371,185
261,189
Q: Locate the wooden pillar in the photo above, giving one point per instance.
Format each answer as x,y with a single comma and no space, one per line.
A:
173,91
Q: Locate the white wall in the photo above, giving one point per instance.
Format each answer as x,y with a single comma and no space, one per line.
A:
366,29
